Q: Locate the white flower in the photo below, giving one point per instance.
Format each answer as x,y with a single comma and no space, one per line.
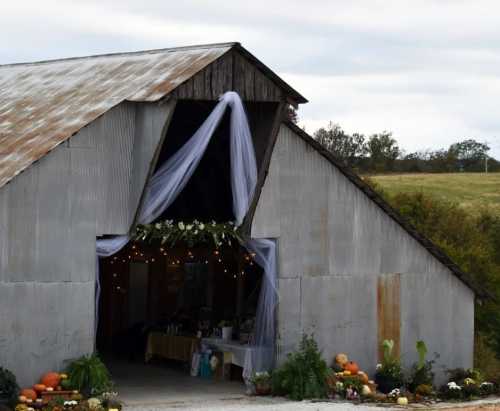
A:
189,227
201,226
195,232
452,385
394,393
181,226
379,366
158,225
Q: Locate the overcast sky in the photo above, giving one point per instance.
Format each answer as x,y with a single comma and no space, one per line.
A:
429,71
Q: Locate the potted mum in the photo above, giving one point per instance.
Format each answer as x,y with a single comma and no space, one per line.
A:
388,375
261,382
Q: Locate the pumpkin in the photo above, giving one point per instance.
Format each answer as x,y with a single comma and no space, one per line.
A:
341,359
51,379
352,367
363,377
365,390
402,401
29,393
39,387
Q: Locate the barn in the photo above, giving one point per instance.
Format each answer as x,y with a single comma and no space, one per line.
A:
81,139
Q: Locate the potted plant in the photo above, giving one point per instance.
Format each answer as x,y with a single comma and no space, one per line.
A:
8,387
388,375
421,372
262,383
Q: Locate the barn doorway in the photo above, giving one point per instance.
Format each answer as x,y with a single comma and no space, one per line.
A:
163,307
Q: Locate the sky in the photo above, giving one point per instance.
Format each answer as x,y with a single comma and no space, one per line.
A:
427,70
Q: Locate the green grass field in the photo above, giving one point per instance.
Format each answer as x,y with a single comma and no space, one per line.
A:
472,191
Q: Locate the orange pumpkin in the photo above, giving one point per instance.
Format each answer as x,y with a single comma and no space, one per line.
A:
51,379
29,393
352,367
39,387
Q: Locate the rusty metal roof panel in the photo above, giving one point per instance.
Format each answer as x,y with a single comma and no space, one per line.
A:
42,104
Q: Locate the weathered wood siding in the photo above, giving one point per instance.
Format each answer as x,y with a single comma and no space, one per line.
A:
50,216
334,246
230,72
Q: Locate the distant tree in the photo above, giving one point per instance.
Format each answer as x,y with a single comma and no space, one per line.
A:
470,154
383,151
347,148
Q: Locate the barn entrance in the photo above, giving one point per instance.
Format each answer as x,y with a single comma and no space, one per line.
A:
182,309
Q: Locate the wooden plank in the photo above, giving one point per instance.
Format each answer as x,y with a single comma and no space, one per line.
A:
389,311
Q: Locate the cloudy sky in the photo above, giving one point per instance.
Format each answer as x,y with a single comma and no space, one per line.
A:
427,70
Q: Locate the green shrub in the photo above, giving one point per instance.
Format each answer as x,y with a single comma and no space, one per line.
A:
89,375
304,373
8,385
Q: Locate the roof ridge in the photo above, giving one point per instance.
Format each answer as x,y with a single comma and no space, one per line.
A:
125,53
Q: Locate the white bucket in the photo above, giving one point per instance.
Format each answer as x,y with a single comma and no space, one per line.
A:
227,333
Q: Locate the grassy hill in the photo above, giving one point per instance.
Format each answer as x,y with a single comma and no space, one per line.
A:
471,190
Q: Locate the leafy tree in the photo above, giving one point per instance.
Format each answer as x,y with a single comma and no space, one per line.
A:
383,151
348,148
470,153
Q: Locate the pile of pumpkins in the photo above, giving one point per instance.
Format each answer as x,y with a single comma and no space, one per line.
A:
51,384
344,368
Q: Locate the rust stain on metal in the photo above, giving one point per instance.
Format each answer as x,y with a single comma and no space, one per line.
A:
43,104
389,311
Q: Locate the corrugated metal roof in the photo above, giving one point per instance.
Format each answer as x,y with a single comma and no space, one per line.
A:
44,103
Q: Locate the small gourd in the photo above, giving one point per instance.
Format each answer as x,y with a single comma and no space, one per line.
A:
363,377
365,390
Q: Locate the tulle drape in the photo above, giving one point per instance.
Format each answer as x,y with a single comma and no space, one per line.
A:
171,178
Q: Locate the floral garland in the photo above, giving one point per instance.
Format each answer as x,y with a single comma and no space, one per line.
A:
192,233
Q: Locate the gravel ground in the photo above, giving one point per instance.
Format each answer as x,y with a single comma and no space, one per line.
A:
257,404
280,404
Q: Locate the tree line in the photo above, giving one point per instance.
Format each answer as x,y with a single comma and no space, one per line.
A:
380,153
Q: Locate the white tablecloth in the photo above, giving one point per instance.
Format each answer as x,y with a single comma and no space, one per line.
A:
243,355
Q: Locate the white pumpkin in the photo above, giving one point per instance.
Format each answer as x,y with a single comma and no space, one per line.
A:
402,401
365,390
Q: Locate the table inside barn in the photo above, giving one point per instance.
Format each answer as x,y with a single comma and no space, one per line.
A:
170,347
242,355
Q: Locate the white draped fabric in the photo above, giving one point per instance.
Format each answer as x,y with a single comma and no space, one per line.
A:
171,178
